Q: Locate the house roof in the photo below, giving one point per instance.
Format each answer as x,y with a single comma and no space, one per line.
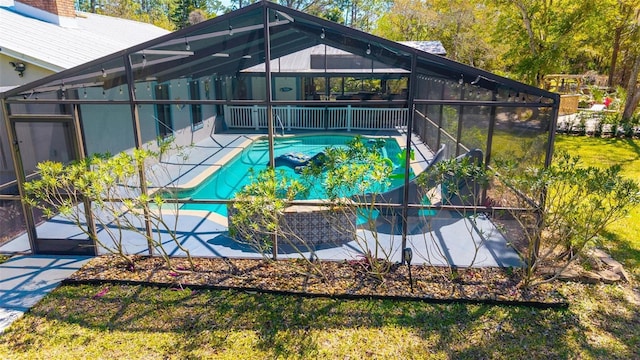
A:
432,47
57,48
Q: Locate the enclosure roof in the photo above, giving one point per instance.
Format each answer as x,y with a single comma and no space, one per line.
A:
235,42
301,62
56,48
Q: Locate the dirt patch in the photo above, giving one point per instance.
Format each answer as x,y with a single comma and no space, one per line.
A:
328,278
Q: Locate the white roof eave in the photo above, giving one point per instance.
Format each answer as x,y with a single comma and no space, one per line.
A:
31,60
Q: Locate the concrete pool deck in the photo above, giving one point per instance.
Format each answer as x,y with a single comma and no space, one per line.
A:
444,239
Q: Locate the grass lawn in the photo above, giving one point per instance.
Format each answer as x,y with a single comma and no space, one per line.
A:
622,239
117,321
151,323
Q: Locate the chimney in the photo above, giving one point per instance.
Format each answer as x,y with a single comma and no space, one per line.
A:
59,12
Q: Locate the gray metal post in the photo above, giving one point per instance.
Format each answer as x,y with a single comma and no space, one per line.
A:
405,194
138,143
18,168
91,224
267,69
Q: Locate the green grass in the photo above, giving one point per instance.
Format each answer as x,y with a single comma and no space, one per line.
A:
3,258
150,323
622,239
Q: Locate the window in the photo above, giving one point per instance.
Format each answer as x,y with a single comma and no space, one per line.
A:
196,109
163,112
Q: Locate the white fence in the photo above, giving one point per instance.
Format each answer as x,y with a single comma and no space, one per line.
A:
316,118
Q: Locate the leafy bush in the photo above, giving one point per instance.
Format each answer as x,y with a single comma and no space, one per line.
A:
577,203
257,213
107,190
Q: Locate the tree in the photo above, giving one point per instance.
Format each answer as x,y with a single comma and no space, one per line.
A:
183,9
238,4
633,90
197,16
149,11
459,25
359,14
540,35
621,15
405,21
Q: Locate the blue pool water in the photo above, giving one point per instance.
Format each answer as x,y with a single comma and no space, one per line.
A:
234,175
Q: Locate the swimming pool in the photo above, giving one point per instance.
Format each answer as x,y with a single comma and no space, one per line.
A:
234,175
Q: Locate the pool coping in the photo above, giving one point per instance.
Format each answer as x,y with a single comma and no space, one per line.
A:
209,171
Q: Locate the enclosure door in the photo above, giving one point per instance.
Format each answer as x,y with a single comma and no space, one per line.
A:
51,138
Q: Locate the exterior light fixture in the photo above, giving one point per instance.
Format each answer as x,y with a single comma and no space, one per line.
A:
368,49
104,73
322,34
144,60
20,67
186,44
407,254
230,30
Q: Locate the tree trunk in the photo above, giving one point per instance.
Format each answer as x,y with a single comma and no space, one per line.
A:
527,24
614,56
633,92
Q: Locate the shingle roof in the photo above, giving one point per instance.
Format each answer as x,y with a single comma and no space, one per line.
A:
56,48
433,47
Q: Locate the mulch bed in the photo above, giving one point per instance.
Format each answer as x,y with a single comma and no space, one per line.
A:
344,279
